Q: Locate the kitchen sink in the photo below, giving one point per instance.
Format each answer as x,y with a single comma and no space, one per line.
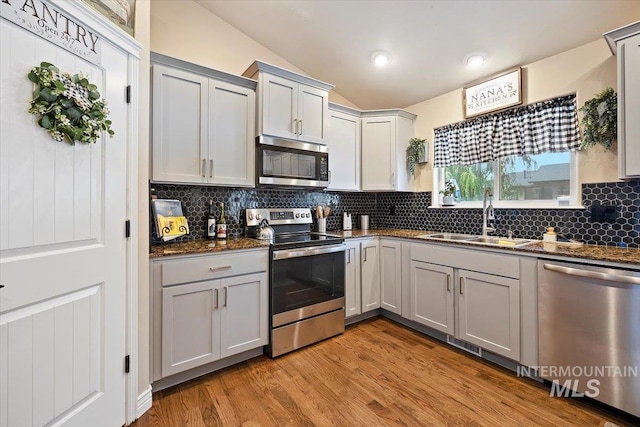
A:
448,236
480,240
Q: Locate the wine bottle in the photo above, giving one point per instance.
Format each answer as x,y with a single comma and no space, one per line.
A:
222,224
211,222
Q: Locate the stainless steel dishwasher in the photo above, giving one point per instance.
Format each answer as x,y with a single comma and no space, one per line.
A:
589,329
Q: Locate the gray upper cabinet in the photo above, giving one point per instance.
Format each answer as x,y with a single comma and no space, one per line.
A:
344,148
290,105
203,125
625,43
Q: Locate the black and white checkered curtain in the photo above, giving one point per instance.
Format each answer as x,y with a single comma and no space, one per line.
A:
544,127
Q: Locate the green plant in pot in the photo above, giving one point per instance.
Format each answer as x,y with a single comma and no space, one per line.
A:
448,192
416,153
600,120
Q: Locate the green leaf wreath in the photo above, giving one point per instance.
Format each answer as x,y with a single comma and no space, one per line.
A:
600,119
68,107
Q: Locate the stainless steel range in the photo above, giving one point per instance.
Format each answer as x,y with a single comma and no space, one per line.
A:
306,282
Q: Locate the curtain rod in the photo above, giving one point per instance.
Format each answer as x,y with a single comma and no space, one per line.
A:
507,109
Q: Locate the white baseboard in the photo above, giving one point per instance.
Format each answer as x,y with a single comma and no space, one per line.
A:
143,403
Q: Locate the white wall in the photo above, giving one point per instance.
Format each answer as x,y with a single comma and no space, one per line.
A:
585,70
185,30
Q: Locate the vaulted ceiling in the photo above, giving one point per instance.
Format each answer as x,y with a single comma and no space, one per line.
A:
333,40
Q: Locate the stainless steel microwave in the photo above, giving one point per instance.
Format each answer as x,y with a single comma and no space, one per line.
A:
289,163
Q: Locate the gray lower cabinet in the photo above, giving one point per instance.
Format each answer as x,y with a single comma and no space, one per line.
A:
476,306
489,312
370,274
391,275
352,292
432,296
206,308
208,321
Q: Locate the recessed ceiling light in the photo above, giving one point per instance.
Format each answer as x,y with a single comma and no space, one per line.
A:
380,58
475,59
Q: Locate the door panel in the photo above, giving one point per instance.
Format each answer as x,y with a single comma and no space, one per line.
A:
313,109
378,144
370,273
344,145
280,107
391,276
432,296
352,280
489,312
62,250
244,313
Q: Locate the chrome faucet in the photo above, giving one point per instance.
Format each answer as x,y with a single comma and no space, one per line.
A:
487,212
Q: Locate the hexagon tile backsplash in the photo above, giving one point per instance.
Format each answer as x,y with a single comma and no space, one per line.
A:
411,210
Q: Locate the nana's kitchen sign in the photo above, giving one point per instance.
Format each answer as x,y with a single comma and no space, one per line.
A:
51,23
497,93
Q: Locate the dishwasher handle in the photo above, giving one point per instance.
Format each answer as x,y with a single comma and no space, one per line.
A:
610,277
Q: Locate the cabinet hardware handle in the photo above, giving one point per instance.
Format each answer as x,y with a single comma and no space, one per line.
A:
461,285
1,286
365,254
393,179
204,168
224,291
349,256
329,177
448,283
216,306
211,168
611,277
224,267
295,124
301,128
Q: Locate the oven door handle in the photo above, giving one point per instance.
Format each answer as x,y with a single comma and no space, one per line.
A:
308,251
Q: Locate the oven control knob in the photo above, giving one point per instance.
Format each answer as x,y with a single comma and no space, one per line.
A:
297,215
258,217
307,215
250,217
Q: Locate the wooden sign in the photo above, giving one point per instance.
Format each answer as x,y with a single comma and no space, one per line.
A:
498,93
47,21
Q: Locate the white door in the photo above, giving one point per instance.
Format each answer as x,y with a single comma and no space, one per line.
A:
244,313
179,126
313,111
62,249
432,292
391,275
279,107
352,280
344,145
489,312
231,134
370,274
378,153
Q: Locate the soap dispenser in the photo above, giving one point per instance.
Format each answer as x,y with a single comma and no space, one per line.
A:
550,235
346,221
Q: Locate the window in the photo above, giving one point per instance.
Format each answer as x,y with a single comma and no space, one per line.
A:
521,180
526,155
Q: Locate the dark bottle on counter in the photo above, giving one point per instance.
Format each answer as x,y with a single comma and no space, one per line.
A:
222,224
211,222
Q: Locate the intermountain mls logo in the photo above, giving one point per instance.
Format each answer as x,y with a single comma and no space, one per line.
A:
577,381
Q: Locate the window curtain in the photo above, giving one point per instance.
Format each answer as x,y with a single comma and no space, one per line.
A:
543,127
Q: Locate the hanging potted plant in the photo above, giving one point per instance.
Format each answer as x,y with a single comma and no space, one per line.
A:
416,153
600,120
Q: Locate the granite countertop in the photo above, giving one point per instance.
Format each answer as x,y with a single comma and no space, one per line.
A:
590,252
202,246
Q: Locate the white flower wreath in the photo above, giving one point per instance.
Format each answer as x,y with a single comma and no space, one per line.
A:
68,107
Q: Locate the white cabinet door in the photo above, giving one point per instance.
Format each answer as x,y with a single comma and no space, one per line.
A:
489,312
231,153
279,107
352,280
243,313
313,114
432,296
391,275
344,146
370,275
190,326
629,106
378,153
179,126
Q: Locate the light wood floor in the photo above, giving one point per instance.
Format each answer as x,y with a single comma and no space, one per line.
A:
378,373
